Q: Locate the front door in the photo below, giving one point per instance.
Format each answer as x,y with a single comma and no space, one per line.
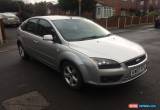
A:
48,50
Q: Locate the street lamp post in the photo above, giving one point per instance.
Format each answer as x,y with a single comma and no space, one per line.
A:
80,7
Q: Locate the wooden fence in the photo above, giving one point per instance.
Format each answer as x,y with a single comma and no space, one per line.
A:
2,32
124,22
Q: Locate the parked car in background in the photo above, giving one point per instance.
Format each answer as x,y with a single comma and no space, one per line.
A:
10,19
83,51
157,22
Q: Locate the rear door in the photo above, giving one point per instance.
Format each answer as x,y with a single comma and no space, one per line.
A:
29,35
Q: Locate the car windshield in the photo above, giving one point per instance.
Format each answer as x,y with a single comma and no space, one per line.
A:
80,29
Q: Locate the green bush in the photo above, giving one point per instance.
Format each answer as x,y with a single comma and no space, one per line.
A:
153,13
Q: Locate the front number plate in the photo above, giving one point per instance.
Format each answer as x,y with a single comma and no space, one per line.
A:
138,70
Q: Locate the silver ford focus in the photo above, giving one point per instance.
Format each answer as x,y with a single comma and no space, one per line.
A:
83,51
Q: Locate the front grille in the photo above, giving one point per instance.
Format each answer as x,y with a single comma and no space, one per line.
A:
110,79
111,66
135,61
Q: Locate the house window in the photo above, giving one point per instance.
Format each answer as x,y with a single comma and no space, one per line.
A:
98,11
142,3
108,12
104,12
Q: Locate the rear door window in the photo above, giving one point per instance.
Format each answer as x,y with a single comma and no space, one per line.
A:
31,26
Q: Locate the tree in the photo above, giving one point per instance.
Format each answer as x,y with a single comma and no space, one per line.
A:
30,10
69,5
72,5
40,9
88,5
26,11
8,6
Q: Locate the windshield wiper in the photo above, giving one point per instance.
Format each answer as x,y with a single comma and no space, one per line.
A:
95,37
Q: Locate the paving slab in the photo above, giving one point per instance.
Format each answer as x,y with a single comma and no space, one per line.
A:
29,101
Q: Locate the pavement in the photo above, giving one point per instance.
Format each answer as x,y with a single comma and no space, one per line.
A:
30,85
132,28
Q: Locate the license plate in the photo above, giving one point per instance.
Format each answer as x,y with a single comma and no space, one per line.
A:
138,70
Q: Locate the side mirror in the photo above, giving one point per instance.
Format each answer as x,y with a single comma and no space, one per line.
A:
48,37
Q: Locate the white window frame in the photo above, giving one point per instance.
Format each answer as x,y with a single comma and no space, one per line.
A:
105,12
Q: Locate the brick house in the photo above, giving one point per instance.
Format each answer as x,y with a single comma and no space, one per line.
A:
125,7
105,8
116,7
146,6
54,9
109,8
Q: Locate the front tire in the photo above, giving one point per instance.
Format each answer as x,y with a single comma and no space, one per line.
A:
72,76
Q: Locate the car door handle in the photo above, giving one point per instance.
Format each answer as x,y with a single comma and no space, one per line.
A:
35,41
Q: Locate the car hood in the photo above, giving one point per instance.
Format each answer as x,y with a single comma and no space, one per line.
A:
112,47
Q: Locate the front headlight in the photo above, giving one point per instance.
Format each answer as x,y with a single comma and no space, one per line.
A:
106,63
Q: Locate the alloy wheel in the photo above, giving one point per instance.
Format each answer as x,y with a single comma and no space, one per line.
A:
21,51
70,75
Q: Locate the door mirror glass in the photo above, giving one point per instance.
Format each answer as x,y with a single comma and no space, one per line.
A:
48,37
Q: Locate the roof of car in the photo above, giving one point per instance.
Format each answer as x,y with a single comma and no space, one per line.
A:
57,17
8,14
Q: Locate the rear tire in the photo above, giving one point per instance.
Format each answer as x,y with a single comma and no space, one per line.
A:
22,52
72,76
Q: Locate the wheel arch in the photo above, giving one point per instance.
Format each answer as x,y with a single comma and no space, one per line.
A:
76,60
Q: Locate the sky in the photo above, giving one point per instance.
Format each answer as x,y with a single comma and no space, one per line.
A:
33,1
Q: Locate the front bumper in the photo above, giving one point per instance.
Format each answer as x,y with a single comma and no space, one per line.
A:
116,76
